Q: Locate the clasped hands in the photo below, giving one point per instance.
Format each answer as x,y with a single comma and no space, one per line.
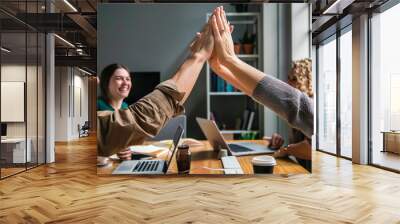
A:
214,43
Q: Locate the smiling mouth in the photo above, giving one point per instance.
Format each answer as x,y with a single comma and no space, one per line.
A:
124,90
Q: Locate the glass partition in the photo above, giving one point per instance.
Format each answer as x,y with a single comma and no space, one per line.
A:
346,94
14,153
385,89
31,98
41,110
327,97
22,91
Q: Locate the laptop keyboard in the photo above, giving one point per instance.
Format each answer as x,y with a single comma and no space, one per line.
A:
146,165
239,148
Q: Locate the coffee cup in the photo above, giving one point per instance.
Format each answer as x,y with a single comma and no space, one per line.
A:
103,161
263,164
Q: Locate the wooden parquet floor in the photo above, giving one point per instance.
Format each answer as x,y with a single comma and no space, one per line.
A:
69,191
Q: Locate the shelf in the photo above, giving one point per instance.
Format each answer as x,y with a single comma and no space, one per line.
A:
238,22
226,94
248,56
242,14
239,14
236,131
230,106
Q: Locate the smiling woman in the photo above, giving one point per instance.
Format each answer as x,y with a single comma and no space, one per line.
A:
115,85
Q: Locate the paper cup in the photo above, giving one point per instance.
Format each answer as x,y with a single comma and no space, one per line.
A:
263,164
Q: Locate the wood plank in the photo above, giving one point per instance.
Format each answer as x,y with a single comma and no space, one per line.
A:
69,191
205,161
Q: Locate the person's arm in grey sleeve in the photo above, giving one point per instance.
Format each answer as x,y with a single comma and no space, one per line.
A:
286,101
289,103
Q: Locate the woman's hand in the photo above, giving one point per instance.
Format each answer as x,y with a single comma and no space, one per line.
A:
223,42
203,44
125,154
276,141
216,64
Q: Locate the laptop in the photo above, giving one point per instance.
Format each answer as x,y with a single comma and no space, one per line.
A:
150,166
217,141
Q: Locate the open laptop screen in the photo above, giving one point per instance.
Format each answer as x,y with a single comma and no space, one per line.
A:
175,142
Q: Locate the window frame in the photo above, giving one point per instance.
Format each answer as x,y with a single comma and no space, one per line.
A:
336,36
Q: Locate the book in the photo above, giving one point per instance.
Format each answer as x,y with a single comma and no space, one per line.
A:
229,88
149,150
237,123
212,117
251,120
213,82
245,119
220,85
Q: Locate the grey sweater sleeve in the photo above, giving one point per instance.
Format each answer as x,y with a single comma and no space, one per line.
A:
289,103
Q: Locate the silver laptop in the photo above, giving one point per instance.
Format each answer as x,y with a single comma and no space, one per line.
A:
150,166
217,141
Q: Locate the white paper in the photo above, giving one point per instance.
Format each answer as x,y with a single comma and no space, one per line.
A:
146,149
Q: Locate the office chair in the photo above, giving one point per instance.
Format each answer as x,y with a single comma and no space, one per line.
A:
167,132
84,129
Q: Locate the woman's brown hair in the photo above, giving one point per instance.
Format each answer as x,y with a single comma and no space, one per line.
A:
105,77
300,76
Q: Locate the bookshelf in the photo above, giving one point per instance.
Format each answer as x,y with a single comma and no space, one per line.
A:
227,105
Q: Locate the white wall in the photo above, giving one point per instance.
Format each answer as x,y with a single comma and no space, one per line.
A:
270,40
70,84
301,31
286,33
314,82
33,126
80,102
16,73
147,41
62,113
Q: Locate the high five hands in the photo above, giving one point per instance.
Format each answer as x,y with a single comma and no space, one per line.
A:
215,44
216,35
215,41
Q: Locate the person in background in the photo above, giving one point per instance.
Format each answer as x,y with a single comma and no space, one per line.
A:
122,125
300,77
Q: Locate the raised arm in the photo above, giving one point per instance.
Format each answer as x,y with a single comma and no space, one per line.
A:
120,129
186,77
240,72
289,103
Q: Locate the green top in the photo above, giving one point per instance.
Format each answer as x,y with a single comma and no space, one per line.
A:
102,105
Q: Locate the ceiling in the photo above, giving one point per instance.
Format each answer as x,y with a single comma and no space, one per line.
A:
76,22
329,16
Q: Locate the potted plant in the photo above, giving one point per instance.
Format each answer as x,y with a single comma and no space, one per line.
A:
248,42
237,47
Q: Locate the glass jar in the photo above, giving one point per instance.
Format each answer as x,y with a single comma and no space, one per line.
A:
183,159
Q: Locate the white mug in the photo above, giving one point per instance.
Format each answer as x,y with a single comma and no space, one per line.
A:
102,161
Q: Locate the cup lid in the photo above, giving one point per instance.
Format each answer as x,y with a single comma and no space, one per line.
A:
183,146
264,161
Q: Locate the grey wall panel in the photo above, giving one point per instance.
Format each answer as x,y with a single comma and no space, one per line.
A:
148,37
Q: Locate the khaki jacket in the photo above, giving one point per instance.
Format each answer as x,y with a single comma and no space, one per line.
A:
143,119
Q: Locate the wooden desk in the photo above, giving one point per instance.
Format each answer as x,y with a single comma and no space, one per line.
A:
13,150
391,141
204,156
